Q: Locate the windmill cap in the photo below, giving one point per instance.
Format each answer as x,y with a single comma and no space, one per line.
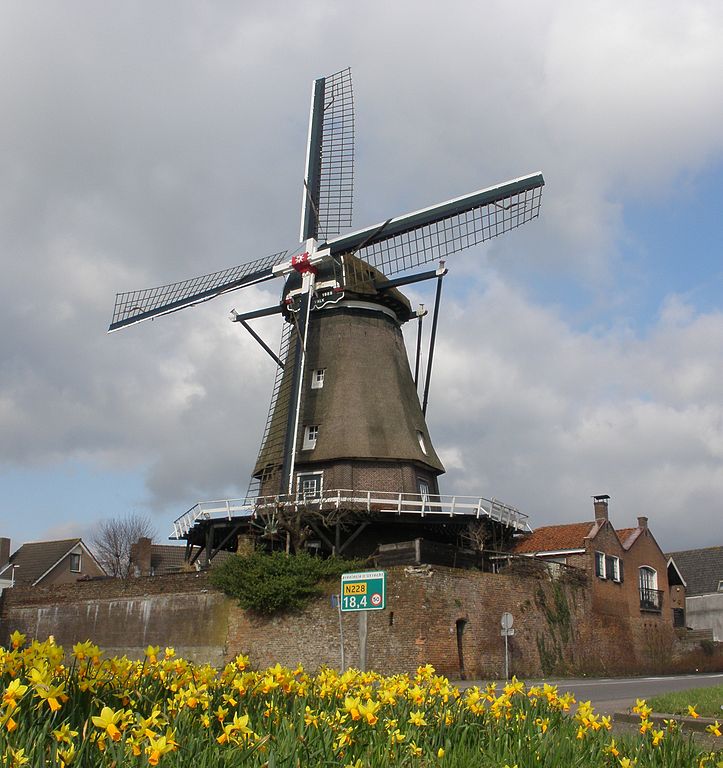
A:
361,279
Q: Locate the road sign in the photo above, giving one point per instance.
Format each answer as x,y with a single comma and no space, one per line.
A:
364,591
507,621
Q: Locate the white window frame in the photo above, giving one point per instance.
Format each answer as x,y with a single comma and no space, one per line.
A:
73,555
311,435
600,570
423,487
304,477
317,378
615,576
649,571
601,565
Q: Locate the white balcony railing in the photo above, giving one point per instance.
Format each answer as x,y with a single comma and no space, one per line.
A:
383,502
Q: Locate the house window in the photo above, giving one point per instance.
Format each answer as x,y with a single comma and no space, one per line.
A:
75,563
608,567
600,565
422,443
651,598
720,585
613,568
317,378
308,485
311,433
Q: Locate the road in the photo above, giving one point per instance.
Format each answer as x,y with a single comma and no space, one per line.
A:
609,695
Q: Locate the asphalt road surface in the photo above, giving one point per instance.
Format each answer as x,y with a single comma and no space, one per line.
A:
609,695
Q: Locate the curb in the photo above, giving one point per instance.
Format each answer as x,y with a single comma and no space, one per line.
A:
684,721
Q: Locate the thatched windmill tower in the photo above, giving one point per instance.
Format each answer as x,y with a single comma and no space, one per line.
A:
360,423
345,431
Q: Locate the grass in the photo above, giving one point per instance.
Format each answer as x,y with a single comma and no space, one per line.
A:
708,702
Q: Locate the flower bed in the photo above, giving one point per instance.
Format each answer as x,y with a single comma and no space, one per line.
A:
85,710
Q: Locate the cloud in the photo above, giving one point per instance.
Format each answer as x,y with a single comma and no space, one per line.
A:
151,144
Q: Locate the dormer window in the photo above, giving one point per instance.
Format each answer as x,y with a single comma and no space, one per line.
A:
311,433
317,378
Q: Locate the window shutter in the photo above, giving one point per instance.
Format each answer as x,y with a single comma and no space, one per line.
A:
599,564
609,567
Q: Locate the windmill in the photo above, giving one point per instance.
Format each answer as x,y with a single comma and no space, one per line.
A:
345,429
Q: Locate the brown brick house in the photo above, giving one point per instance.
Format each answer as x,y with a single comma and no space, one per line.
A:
626,568
47,563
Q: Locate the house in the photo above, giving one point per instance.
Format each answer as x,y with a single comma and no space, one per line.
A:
626,568
701,571
148,559
47,562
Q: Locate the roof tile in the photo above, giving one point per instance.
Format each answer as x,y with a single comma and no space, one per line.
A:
551,538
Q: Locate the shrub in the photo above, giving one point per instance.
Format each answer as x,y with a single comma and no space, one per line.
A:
268,583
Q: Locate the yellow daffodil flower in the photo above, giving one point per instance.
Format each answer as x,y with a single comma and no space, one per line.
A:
417,718
107,722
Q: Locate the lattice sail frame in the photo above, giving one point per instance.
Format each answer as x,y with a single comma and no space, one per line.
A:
134,306
336,177
434,233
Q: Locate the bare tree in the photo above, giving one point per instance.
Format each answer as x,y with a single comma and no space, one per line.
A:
112,541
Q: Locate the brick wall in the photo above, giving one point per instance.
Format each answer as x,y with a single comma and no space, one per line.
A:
428,609
124,617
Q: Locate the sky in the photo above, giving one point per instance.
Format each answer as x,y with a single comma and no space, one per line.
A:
144,143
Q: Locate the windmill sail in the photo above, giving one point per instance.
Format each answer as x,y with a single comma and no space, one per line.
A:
329,180
434,233
134,306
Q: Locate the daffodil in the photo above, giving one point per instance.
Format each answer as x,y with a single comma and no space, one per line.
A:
417,718
107,721
64,734
157,748
714,728
13,693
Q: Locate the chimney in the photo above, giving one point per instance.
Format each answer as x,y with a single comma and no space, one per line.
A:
4,551
642,522
601,506
141,557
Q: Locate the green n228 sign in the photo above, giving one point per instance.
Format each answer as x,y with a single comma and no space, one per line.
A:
364,591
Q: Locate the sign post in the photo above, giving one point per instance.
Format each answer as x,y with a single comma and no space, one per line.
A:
361,592
507,621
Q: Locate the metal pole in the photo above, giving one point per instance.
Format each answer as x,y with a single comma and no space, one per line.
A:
292,427
421,312
263,344
363,641
507,659
432,339
341,631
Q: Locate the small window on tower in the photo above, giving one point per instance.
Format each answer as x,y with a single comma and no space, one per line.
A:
423,486
422,443
311,433
309,485
317,378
